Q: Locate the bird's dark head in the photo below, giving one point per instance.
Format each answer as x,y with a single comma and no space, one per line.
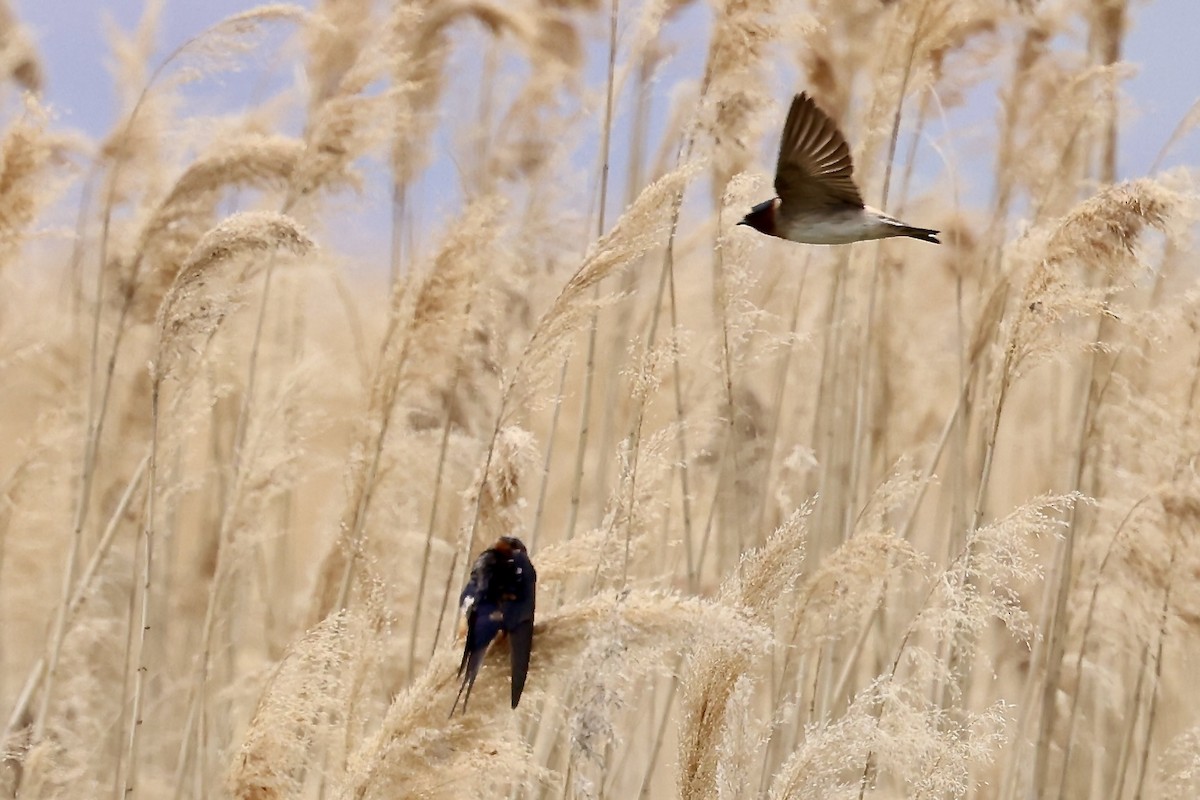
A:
762,217
509,544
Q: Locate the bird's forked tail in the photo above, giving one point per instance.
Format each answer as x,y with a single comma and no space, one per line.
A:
924,234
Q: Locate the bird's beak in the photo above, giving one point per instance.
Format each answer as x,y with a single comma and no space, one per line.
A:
743,222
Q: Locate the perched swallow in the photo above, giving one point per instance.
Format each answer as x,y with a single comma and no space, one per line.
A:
818,202
499,598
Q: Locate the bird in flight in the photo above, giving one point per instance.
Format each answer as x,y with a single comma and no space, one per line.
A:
498,599
818,202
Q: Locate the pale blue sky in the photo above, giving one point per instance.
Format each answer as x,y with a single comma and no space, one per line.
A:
1162,43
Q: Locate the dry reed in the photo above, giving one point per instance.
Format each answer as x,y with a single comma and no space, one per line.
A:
870,521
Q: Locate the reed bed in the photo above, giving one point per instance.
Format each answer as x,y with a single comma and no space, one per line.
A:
883,520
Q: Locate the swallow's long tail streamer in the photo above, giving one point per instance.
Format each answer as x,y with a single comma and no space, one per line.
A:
470,666
520,642
924,234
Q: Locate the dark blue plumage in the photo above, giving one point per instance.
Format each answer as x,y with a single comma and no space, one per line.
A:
499,598
762,218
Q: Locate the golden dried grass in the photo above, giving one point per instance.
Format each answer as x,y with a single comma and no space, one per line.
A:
808,523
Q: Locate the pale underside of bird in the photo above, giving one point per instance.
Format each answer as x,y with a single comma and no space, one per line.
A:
818,201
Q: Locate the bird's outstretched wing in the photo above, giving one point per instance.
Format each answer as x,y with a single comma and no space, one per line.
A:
815,171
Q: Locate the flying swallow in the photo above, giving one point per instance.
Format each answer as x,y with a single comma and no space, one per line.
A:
499,598
818,202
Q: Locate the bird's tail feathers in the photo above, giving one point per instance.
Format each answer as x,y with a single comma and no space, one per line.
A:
470,665
520,642
924,234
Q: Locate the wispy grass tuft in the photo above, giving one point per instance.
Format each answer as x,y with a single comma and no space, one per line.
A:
882,520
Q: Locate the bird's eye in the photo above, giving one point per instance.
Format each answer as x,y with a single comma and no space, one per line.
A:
519,570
